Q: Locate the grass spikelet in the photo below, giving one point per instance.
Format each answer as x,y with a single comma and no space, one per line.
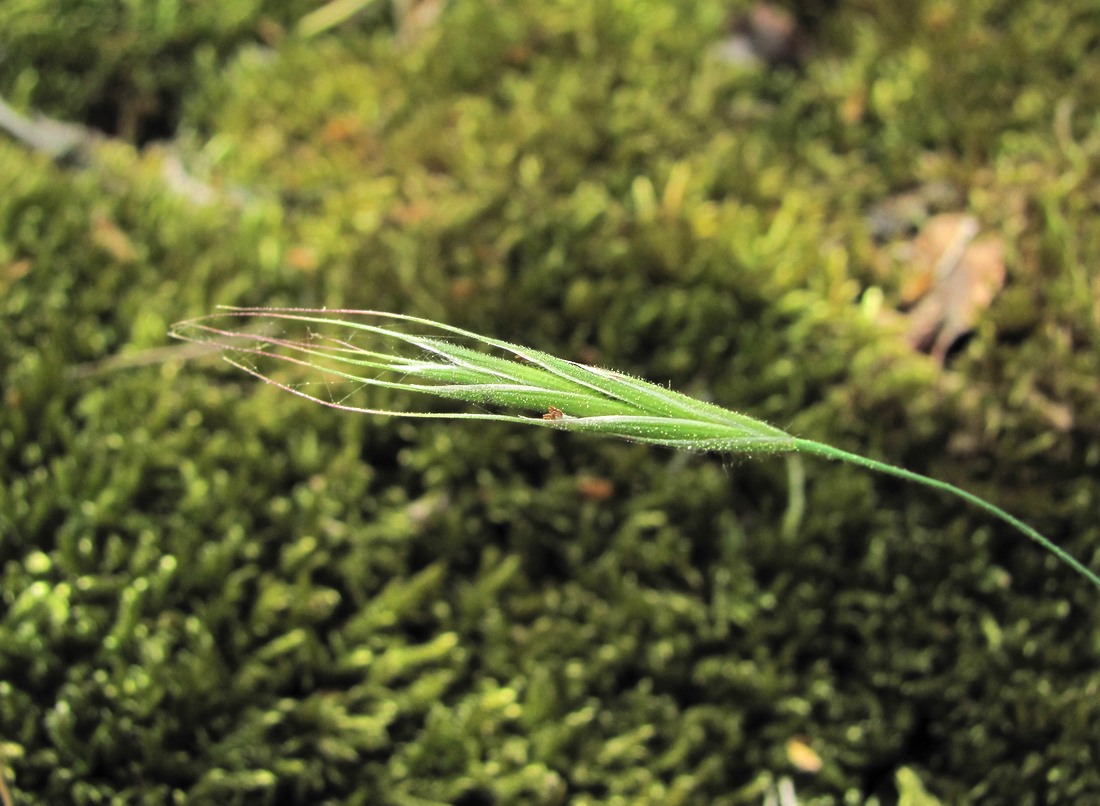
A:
348,352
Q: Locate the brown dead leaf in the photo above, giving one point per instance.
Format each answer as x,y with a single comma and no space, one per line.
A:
595,488
934,253
853,106
952,278
462,289
412,212
341,129
14,272
802,756
109,237
302,258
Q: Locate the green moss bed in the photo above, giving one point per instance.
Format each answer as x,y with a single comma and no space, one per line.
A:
213,592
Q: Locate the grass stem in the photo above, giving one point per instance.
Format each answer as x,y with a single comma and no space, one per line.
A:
828,451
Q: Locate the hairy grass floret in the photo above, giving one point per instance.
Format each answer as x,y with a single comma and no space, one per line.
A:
349,351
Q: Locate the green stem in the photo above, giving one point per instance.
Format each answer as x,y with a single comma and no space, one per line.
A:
828,451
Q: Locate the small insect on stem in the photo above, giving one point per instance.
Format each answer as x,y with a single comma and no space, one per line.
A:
553,413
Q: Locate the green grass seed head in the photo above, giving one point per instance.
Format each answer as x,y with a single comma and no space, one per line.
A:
523,386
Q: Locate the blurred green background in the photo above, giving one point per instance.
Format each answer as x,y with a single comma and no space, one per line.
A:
213,592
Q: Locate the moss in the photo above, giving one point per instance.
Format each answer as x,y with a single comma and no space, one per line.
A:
125,68
216,593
